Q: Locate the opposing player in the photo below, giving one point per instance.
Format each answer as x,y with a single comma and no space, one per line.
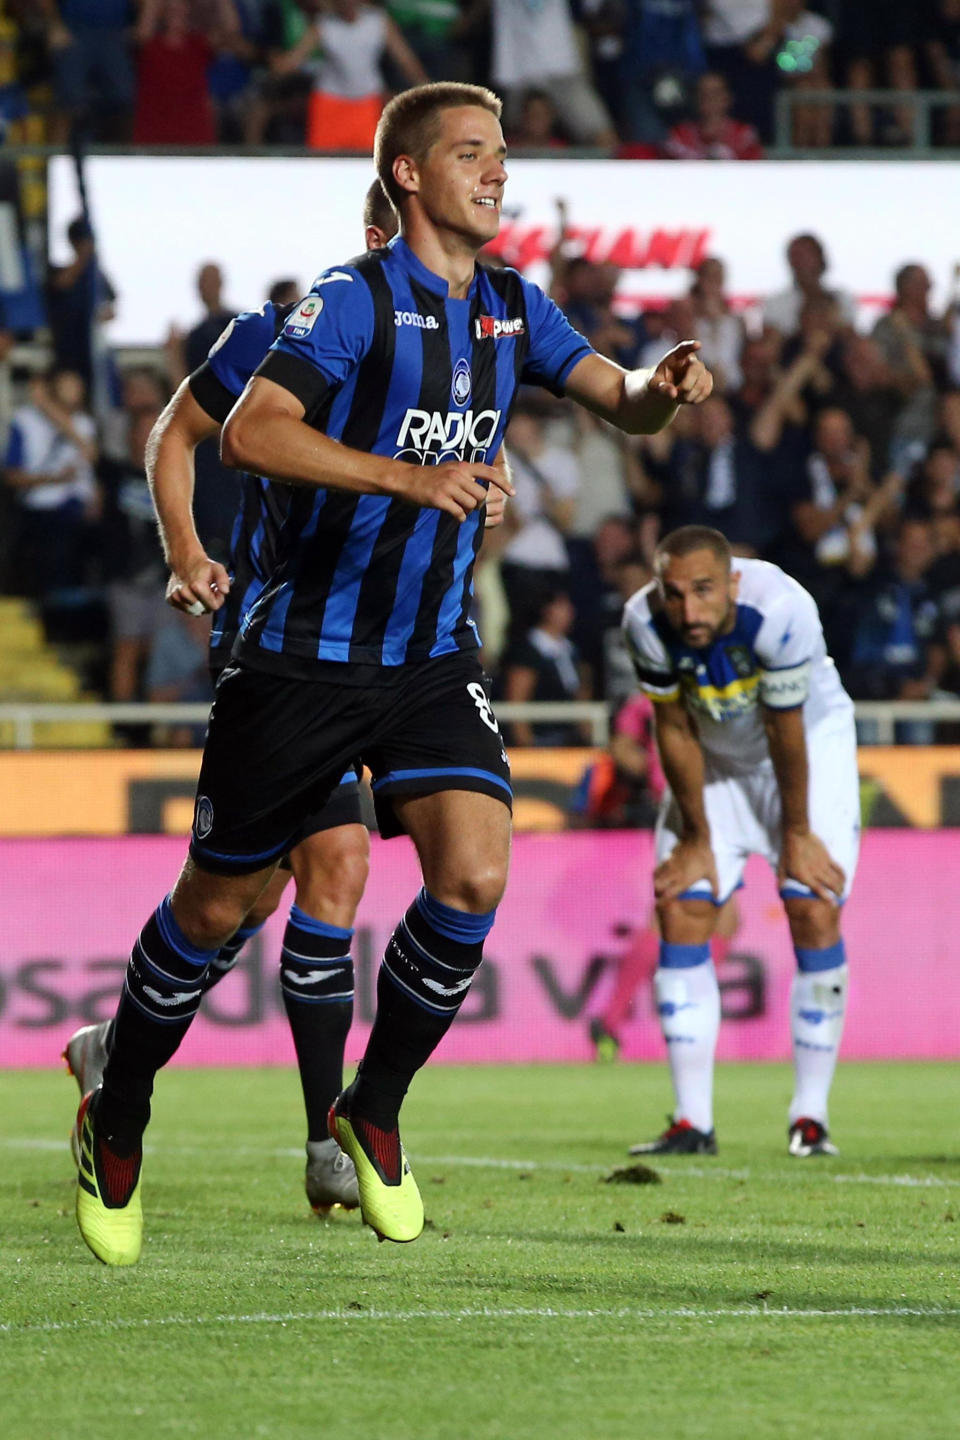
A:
757,740
384,402
330,862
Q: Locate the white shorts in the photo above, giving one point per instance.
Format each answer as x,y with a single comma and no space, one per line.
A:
743,812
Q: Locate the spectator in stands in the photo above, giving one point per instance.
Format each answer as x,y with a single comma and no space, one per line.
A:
174,103
136,569
230,79
661,61
915,344
184,354
536,45
354,39
178,672
800,39
941,60
867,390
719,330
92,74
536,127
933,489
433,29
141,388
543,664
713,133
546,478
49,466
624,785
876,42
739,37
808,264
895,622
277,109
821,334
597,589
79,294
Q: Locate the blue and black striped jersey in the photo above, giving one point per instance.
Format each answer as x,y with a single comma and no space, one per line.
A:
384,361
215,385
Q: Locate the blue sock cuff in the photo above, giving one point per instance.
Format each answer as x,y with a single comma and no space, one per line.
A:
810,961
306,922
453,924
246,932
173,936
683,957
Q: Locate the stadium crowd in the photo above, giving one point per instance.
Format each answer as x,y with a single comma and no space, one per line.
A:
683,78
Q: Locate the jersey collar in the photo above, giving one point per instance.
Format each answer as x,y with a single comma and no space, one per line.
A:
415,267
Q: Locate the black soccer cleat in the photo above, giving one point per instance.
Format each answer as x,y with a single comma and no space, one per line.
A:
809,1137
679,1138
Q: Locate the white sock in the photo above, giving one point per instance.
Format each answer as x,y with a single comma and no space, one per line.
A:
688,1002
818,1002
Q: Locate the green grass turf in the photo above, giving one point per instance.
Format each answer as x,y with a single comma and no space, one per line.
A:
784,1298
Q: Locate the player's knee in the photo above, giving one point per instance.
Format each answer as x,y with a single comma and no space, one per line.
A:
331,872
478,893
686,922
814,923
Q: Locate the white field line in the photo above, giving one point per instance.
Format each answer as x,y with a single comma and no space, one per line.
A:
674,1167
489,1312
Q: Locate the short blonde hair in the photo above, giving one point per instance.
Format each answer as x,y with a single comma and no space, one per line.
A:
408,125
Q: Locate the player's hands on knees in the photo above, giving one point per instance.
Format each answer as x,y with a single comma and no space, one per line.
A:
806,859
682,376
692,860
202,587
454,486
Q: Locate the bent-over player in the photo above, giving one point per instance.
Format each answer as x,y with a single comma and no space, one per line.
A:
757,740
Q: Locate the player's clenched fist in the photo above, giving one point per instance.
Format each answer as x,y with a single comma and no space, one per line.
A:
455,486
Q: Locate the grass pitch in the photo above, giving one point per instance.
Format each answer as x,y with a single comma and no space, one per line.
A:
749,1295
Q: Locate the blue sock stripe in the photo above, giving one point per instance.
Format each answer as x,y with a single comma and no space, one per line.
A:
172,935
314,962
458,925
810,961
246,932
306,922
432,959
179,982
683,957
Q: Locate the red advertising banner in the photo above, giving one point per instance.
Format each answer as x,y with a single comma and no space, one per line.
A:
71,908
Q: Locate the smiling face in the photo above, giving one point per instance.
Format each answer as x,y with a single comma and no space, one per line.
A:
458,183
698,592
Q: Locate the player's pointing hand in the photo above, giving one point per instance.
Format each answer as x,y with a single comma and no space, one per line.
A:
682,376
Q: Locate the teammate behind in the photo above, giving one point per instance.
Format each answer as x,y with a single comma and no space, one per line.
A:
757,740
330,861
384,404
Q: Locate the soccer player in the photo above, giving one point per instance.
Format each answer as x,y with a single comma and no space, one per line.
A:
384,403
331,860
757,740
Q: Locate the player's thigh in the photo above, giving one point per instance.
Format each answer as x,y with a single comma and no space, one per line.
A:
463,842
731,835
442,735
833,803
275,749
331,867
208,906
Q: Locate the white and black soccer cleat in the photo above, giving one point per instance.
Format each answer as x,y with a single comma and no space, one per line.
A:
809,1137
679,1138
331,1177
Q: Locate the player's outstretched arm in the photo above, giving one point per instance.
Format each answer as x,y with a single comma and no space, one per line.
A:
196,582
803,856
265,432
641,402
682,759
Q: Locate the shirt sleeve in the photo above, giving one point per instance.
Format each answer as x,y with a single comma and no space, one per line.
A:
651,662
785,646
555,347
324,339
232,359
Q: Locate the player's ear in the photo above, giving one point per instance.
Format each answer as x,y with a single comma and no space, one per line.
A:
374,238
406,174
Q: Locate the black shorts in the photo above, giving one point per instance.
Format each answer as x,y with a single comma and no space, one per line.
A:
276,748
344,806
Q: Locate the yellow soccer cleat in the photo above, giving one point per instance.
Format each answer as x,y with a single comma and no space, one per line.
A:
390,1201
109,1213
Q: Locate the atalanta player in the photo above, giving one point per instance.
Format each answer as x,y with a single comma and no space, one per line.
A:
384,404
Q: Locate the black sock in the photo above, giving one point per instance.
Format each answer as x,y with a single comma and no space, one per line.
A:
161,995
227,956
316,979
429,963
